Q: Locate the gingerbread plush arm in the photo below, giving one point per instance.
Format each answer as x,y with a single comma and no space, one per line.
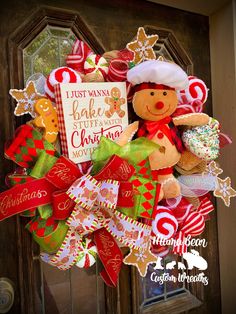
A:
127,135
38,121
192,119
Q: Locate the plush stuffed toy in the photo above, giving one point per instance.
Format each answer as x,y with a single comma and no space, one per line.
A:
155,99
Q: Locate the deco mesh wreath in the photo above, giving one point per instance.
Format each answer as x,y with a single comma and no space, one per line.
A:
134,193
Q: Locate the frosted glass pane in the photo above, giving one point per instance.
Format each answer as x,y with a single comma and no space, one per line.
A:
47,51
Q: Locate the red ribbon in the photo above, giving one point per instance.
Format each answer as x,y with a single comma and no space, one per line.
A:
116,169
110,255
25,196
63,173
62,205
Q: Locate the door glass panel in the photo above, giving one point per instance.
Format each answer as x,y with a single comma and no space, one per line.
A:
47,51
161,51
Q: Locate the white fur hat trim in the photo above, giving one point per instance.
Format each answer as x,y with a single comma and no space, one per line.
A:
159,72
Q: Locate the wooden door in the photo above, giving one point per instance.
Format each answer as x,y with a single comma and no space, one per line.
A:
105,25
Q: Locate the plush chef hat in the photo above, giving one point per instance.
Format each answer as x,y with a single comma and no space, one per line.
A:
158,72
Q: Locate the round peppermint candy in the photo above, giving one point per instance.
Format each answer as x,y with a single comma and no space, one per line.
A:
97,65
87,254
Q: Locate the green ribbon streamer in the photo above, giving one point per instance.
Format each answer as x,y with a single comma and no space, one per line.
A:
45,211
43,165
52,242
134,151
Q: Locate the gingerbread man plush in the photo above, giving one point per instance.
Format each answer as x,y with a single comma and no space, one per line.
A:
115,102
155,99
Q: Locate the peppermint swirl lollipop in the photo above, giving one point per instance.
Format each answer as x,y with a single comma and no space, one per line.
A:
196,90
60,75
164,225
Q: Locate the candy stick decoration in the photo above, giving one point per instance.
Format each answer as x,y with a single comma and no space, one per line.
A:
60,75
117,70
193,225
164,224
79,54
87,254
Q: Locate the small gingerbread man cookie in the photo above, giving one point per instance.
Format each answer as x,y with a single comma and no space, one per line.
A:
115,103
47,119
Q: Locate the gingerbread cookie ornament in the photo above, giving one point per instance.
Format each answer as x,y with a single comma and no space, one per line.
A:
142,47
26,99
46,119
115,102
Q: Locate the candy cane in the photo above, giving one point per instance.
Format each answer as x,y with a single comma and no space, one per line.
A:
79,54
117,70
193,225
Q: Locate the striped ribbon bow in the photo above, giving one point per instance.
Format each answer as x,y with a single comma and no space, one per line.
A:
193,225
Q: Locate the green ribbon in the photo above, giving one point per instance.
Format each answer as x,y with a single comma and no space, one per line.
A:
134,151
52,242
42,166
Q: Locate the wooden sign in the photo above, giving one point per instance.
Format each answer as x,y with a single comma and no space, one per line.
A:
85,112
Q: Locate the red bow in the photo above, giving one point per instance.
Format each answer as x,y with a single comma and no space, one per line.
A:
150,128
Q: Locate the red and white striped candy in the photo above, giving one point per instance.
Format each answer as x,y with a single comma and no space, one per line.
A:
97,65
196,91
117,71
87,254
79,54
195,221
60,75
164,225
182,210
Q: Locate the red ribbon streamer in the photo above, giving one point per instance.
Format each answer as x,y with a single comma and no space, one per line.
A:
25,196
110,255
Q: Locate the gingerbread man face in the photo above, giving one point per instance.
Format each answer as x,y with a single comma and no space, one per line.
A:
115,102
115,93
155,104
